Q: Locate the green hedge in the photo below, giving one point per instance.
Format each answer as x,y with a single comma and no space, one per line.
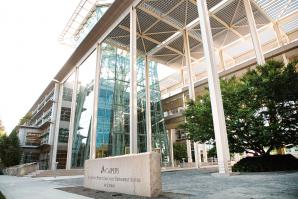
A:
266,163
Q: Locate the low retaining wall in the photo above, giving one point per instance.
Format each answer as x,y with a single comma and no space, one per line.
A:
134,174
21,170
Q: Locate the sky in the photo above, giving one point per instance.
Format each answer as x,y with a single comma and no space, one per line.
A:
30,54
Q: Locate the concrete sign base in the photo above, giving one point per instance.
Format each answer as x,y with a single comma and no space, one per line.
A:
134,174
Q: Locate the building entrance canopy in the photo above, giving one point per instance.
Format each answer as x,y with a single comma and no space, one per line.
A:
160,26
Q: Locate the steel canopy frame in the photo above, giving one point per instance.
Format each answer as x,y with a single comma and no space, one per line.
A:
261,8
280,26
165,48
170,22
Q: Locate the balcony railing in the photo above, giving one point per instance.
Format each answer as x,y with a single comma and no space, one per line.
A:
175,111
46,99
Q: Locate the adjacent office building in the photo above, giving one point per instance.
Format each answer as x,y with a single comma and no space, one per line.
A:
107,99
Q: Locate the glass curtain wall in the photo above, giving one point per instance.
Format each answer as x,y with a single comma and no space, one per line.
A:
113,106
84,98
65,121
83,112
159,135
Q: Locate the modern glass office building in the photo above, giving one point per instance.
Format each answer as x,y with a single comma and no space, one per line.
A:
112,131
113,106
107,100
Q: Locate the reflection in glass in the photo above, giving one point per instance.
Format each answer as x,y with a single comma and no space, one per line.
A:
112,136
64,121
83,114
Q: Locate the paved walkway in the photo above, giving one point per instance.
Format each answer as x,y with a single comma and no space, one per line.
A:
271,185
34,188
176,184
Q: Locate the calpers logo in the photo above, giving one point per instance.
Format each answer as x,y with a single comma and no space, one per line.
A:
109,170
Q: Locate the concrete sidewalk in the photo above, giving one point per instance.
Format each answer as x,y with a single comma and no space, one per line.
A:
35,188
179,184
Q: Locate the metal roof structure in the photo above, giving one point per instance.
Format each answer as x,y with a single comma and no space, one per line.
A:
84,10
230,33
160,25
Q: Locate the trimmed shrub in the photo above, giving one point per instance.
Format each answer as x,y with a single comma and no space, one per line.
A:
266,163
180,151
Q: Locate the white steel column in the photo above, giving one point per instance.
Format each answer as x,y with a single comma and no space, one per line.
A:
196,150
182,77
57,123
254,33
54,113
221,59
53,120
190,84
148,107
72,118
95,103
280,41
214,89
191,88
188,148
172,135
133,82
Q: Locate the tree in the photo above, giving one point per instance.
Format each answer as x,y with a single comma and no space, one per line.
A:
212,152
260,109
180,151
10,153
2,129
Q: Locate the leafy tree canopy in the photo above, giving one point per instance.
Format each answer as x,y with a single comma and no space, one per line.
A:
260,110
212,152
180,151
10,152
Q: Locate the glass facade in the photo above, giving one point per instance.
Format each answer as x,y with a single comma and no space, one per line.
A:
83,112
65,121
113,106
112,132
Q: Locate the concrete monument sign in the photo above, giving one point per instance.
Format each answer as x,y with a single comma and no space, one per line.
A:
135,174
